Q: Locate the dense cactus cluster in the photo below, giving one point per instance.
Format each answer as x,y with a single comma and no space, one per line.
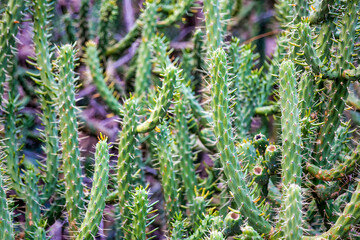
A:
186,118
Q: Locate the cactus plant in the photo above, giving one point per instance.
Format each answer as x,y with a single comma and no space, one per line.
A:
227,146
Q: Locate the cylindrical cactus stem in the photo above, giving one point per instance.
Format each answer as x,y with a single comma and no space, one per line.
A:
310,54
69,136
292,221
291,143
31,196
340,89
163,101
141,208
6,225
183,143
10,20
107,12
139,212
198,58
167,170
225,142
340,170
143,72
90,224
93,62
11,143
290,125
48,89
127,143
347,35
213,25
83,34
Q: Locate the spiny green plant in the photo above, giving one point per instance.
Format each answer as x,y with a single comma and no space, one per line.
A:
203,101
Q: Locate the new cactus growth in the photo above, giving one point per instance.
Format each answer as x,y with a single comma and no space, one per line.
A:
209,142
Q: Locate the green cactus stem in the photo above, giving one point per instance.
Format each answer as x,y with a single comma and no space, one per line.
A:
6,225
293,215
291,153
127,142
163,101
143,72
291,132
183,143
93,215
47,90
11,143
108,11
167,170
178,228
69,136
10,21
93,62
225,142
213,25
141,208
83,34
32,213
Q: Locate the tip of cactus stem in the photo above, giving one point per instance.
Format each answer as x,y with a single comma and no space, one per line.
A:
102,137
271,148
